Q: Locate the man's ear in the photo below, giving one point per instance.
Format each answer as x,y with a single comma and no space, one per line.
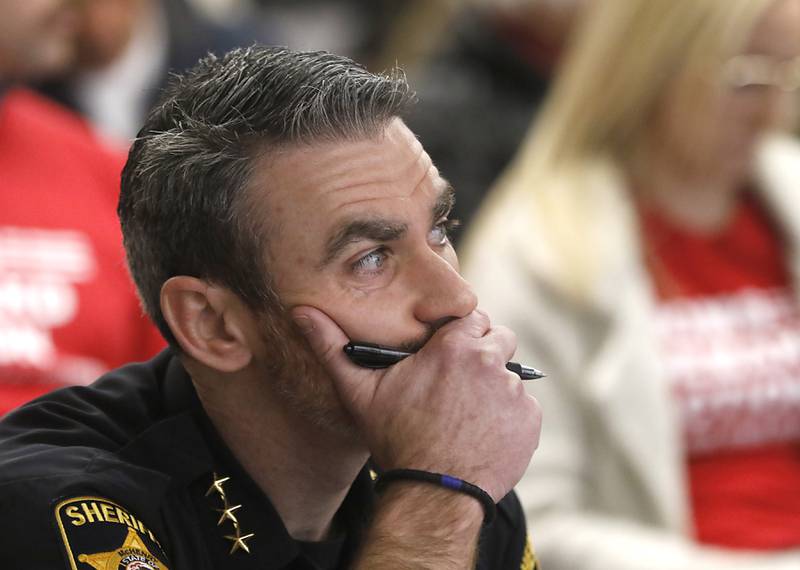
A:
208,321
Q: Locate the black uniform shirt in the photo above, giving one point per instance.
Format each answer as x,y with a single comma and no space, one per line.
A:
129,474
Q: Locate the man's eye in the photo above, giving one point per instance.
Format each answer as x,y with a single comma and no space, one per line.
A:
371,263
440,233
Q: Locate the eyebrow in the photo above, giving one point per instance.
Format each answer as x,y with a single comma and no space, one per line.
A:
381,229
444,203
357,230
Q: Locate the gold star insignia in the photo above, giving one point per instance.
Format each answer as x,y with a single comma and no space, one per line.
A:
227,510
238,542
217,486
227,513
133,545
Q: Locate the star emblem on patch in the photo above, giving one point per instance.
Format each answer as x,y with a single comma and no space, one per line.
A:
99,534
132,555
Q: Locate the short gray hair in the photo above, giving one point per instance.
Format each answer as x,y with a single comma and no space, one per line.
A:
183,204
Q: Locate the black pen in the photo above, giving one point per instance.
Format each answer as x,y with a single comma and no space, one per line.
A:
370,355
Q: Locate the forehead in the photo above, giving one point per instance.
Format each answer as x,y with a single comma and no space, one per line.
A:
336,170
777,32
307,190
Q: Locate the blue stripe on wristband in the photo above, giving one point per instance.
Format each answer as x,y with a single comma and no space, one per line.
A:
442,480
451,482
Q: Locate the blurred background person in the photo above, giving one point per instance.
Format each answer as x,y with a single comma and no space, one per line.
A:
68,310
125,50
481,78
644,247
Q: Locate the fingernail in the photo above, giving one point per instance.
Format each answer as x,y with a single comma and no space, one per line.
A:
304,324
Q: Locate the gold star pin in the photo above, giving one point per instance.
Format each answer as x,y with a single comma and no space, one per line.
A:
238,542
217,486
227,514
227,510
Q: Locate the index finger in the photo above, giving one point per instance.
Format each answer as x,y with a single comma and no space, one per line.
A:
476,324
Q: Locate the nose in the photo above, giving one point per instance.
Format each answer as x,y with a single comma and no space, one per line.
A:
442,293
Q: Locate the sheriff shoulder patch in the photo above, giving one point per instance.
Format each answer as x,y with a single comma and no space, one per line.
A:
529,561
99,534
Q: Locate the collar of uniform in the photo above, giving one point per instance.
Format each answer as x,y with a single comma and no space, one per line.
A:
271,547
186,446
173,445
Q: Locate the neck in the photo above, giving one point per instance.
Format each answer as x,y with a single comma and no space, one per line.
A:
696,199
317,466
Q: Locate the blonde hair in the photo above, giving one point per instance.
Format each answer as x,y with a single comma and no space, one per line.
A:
624,56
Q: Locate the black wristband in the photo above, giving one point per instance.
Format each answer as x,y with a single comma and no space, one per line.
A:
446,481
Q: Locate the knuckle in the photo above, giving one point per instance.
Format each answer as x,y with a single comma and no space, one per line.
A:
482,317
503,331
488,357
450,343
508,336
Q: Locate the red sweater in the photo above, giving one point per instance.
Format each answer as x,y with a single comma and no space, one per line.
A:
68,310
729,326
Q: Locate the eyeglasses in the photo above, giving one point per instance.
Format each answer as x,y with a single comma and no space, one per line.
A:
761,70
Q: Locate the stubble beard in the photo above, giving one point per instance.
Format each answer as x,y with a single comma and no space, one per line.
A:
299,379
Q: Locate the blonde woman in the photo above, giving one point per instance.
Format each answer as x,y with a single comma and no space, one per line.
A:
644,247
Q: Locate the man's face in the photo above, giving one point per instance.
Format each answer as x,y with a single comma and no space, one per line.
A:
36,37
358,230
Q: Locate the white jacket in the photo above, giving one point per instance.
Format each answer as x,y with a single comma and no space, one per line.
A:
606,489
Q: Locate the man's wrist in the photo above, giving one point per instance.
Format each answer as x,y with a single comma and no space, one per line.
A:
416,499
418,525
440,480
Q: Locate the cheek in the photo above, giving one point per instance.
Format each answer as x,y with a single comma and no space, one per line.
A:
355,312
742,120
364,321
385,317
695,131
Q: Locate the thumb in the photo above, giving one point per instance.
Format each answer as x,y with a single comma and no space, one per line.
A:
355,385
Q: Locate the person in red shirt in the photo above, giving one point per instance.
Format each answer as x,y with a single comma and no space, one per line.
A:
644,247
68,309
